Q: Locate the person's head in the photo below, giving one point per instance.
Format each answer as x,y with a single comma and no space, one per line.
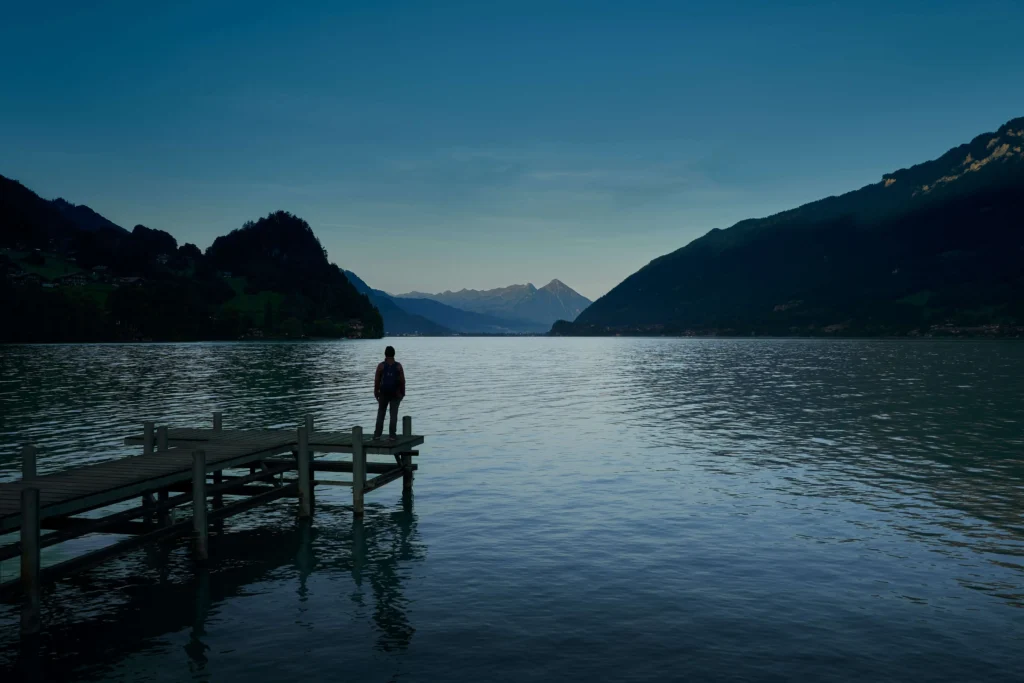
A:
389,352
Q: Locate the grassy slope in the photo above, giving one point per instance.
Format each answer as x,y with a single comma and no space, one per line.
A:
252,305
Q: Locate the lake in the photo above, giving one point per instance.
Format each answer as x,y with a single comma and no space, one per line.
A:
585,509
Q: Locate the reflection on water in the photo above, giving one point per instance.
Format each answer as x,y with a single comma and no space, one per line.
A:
102,617
663,509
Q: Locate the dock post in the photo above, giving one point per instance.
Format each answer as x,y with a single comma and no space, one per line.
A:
407,459
147,449
358,471
199,505
163,514
312,489
28,463
31,622
305,504
218,476
147,438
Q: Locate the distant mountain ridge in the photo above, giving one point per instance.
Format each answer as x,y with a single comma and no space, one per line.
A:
934,248
414,315
543,306
397,321
83,217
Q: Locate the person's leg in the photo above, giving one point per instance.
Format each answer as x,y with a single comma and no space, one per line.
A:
382,406
393,424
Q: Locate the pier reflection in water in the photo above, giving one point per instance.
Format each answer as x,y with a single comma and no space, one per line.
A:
157,601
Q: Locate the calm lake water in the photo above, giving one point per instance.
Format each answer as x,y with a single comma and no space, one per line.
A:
586,509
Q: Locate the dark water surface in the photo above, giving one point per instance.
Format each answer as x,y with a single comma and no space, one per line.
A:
586,510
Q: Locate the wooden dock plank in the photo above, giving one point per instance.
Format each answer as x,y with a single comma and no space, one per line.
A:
109,482
104,483
321,442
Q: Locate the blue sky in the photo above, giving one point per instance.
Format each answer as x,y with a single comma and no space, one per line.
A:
444,145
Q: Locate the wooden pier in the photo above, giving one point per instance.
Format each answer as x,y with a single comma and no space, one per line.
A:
181,468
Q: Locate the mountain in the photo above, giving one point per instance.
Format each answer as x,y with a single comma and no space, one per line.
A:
554,301
468,322
68,274
448,319
29,221
933,249
397,321
83,217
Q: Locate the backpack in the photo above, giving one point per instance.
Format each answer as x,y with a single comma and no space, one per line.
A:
389,379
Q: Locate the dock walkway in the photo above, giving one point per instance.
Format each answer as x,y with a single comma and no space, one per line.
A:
181,460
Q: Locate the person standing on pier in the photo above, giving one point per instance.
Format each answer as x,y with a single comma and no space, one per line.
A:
389,390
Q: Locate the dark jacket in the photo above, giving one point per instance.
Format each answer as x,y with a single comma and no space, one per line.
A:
400,393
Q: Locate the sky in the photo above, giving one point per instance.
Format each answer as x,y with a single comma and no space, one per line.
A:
436,145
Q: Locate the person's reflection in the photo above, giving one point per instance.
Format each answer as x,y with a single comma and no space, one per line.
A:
304,558
196,648
380,544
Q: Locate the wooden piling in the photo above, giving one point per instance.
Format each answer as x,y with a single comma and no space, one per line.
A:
147,438
218,498
358,471
163,517
305,480
199,524
218,421
407,458
312,490
28,463
31,621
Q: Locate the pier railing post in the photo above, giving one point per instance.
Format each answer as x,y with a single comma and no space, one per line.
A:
407,459
312,490
163,514
147,438
305,487
199,505
28,463
358,471
31,621
218,421
147,449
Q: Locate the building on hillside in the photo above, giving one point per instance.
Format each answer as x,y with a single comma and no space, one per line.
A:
128,282
74,280
355,328
100,274
25,279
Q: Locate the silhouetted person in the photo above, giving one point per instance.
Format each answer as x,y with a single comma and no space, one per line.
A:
389,390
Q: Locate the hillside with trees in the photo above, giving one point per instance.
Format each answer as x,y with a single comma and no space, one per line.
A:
936,249
68,274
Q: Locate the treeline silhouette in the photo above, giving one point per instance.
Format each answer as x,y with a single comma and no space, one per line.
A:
270,278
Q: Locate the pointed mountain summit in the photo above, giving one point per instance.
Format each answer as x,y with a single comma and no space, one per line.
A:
931,249
420,315
554,301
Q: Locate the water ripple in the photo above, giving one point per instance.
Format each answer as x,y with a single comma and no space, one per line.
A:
665,509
